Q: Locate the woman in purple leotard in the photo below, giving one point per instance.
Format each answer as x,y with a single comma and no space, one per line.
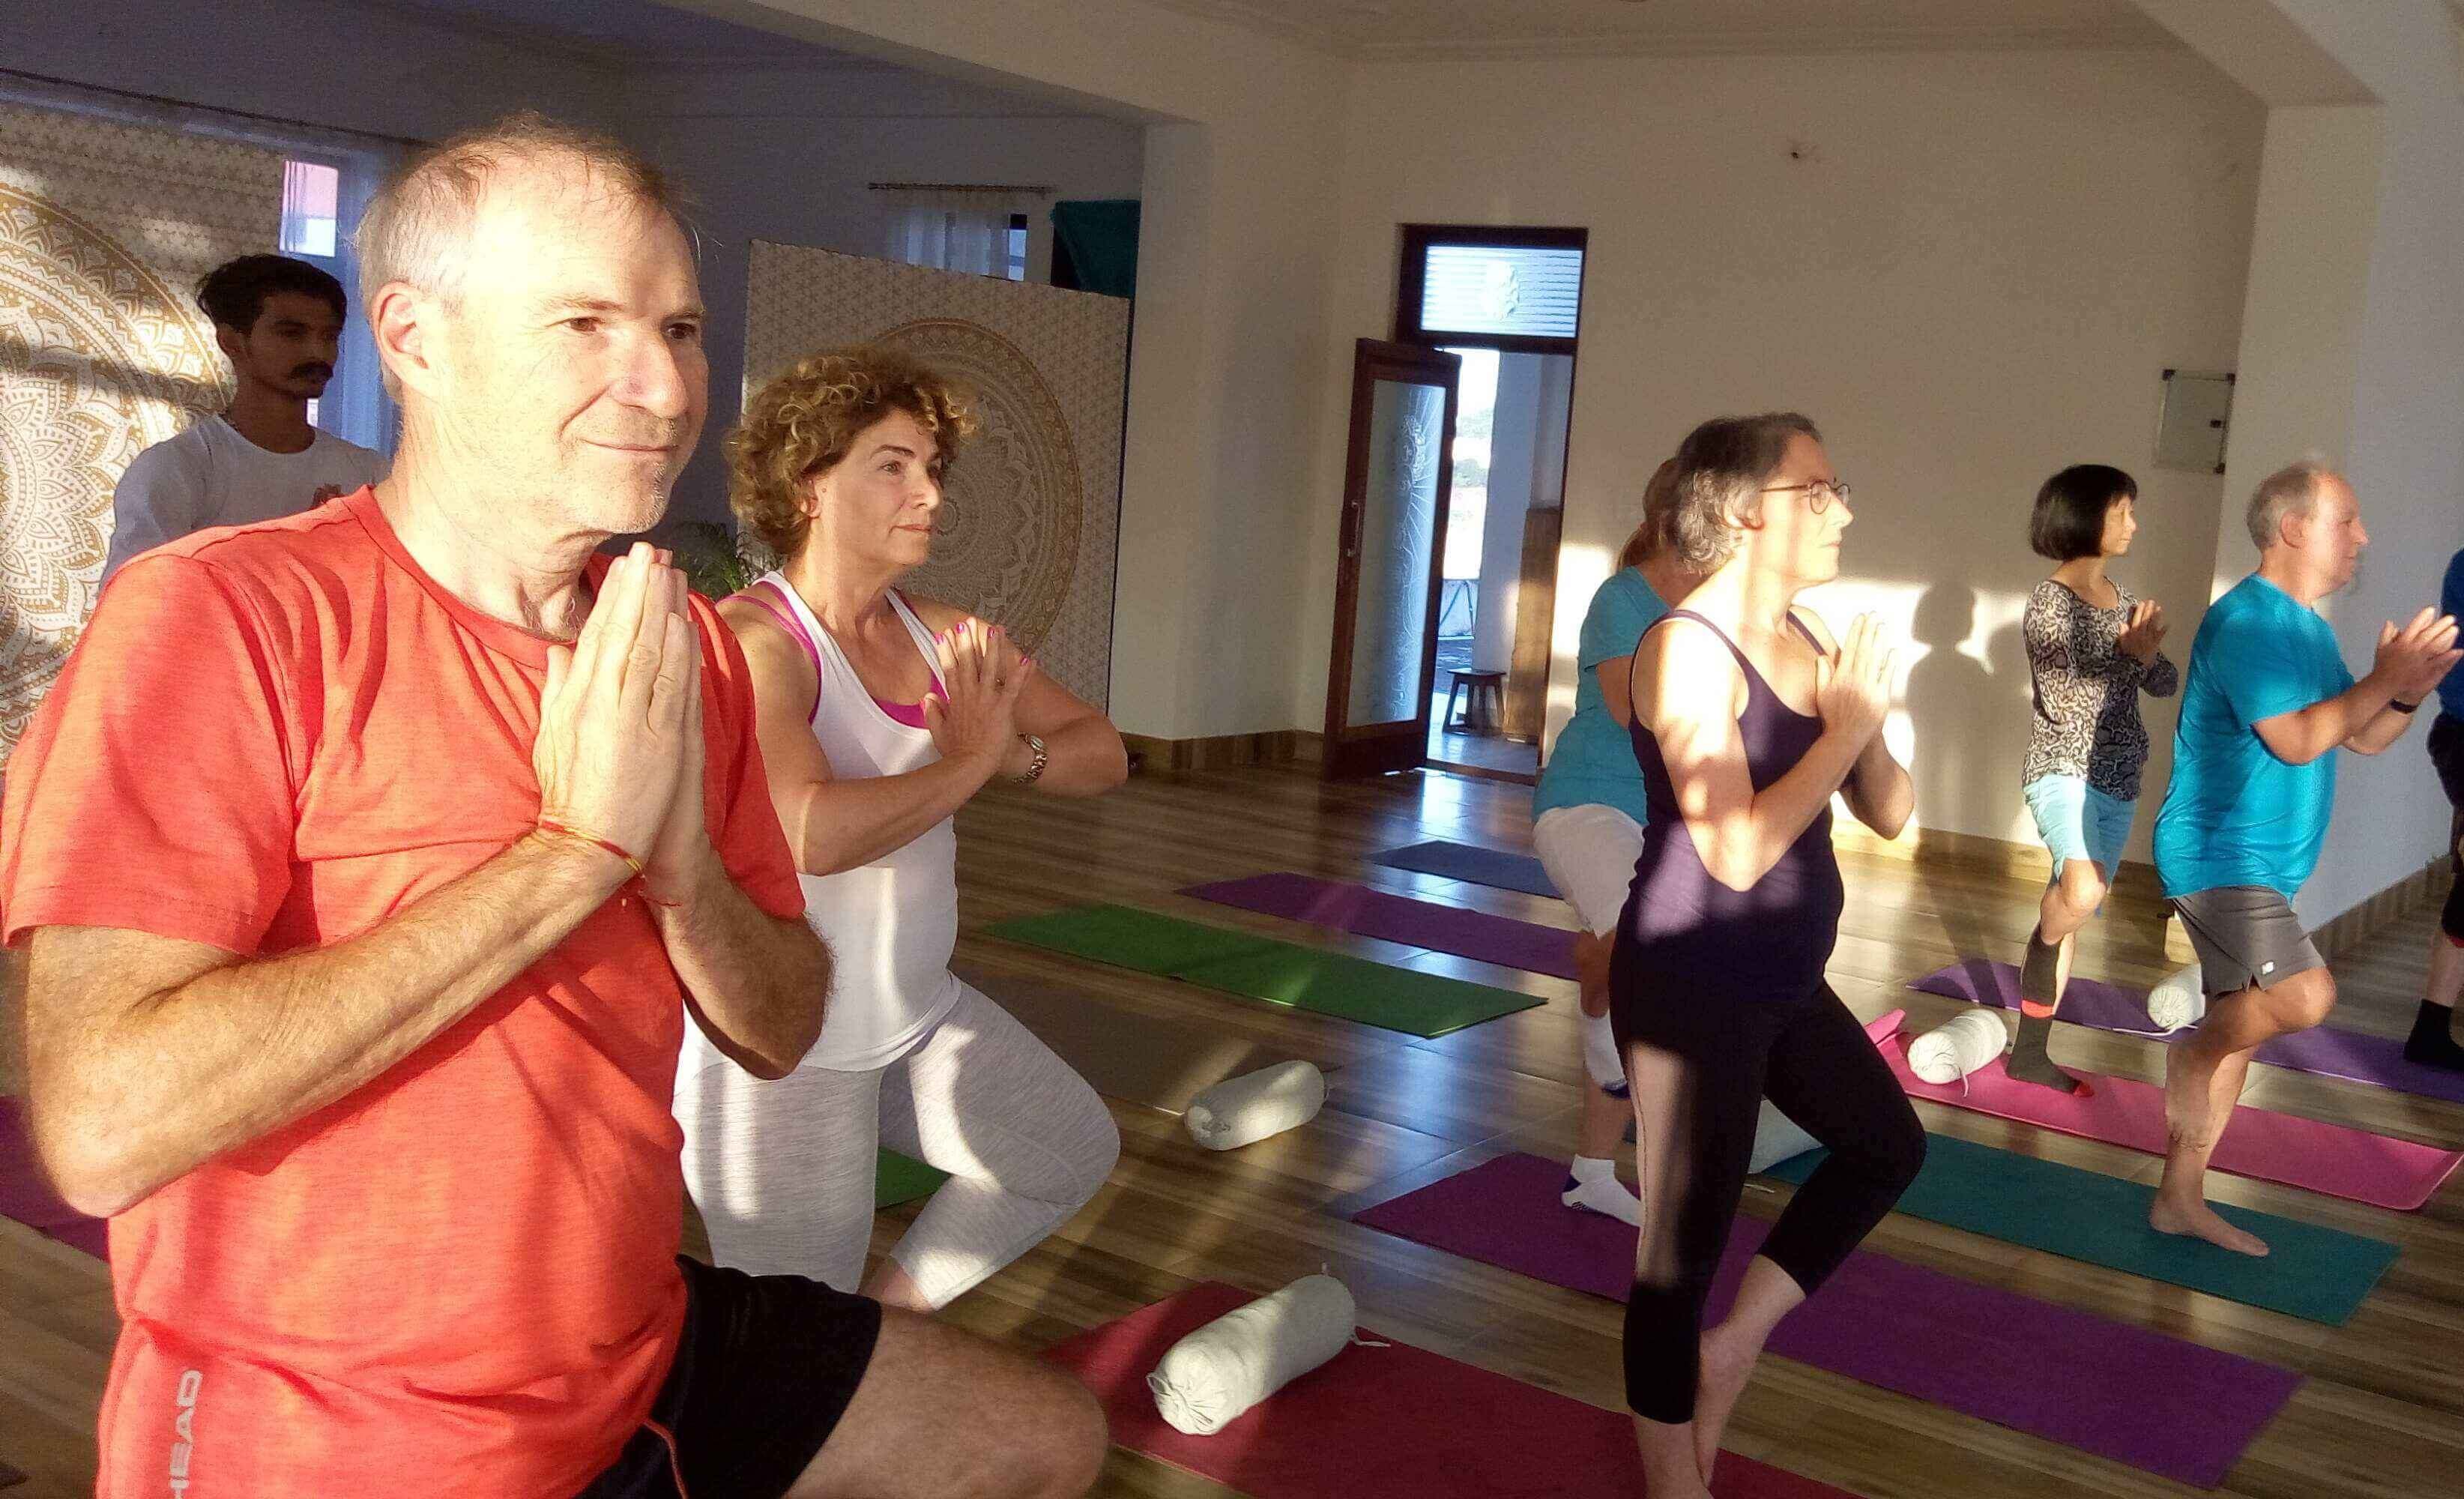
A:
1748,718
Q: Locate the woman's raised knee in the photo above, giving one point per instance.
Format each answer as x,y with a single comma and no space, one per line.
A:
2084,888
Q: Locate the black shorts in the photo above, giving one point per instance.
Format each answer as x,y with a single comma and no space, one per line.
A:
2447,758
766,1368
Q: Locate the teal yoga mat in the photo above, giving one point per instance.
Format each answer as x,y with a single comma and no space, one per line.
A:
1260,968
2321,1274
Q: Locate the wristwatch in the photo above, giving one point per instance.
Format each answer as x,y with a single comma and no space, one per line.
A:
2401,706
1035,767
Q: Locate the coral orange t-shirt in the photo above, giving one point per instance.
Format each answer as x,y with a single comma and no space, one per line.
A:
459,1279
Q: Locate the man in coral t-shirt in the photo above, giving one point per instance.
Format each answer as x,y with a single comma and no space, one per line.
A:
366,863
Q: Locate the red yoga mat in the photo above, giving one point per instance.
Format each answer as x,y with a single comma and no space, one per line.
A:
1375,1421
26,1196
2327,1158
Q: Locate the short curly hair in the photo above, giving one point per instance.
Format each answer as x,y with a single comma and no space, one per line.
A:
805,421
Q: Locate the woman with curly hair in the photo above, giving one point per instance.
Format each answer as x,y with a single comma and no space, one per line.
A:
879,714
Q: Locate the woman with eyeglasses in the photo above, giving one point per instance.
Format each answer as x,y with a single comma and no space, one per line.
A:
1587,816
1747,716
2092,650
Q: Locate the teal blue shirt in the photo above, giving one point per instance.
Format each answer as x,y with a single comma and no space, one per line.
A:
2235,814
1593,761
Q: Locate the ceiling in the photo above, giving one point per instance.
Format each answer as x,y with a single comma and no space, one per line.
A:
623,32
1505,28
648,33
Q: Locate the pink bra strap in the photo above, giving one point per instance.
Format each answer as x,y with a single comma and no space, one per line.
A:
786,615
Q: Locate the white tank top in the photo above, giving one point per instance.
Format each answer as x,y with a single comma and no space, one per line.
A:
890,924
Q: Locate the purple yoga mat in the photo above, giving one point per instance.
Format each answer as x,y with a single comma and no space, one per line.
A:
2157,1403
2329,1052
1364,911
26,1196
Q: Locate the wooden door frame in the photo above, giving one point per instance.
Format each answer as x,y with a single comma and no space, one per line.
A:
1357,749
1411,282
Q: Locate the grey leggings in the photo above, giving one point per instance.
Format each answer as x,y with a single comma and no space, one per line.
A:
783,1171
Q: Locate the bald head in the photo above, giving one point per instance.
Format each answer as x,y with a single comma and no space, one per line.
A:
418,229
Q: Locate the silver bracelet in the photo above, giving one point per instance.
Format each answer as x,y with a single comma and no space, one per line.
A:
1035,767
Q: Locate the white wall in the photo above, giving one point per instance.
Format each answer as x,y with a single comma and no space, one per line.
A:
2406,457
2301,327
786,155
1227,388
1972,272
2353,342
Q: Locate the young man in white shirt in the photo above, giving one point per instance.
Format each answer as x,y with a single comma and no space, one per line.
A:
279,322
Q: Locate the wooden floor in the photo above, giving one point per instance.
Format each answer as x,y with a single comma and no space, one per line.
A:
2381,1414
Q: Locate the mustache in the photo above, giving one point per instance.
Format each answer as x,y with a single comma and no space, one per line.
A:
317,368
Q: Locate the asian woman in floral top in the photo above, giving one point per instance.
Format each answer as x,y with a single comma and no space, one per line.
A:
2092,650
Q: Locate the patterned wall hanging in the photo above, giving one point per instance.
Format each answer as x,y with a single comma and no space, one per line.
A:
1030,519
105,231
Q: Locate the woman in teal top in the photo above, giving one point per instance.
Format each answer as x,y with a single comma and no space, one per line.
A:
1589,814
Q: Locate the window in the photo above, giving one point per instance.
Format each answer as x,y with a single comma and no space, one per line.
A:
982,228
308,190
322,198
1515,289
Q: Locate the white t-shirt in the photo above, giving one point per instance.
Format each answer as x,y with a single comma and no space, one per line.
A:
211,476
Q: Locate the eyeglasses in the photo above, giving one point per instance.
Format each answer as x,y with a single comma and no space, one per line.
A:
1818,494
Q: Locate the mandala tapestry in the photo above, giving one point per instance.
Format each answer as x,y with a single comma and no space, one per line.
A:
1033,508
104,229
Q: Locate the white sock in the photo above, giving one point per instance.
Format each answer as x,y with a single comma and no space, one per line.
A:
1600,1058
1593,1183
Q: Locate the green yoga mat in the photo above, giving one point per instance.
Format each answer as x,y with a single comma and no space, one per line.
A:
901,1178
1260,968
1128,938
2321,1274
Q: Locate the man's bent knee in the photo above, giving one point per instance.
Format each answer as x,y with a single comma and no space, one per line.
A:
2303,1001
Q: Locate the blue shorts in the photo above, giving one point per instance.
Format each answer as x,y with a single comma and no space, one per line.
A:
2079,822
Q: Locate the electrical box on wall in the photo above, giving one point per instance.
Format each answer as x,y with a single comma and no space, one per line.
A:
2192,421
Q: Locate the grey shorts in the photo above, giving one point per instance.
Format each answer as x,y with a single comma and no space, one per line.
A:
2247,936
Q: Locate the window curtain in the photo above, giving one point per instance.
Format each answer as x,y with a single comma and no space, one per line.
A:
967,231
1097,240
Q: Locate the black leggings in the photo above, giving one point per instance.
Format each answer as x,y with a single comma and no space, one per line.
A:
2447,755
1701,1064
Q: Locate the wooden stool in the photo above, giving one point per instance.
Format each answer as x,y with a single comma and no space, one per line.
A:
1486,703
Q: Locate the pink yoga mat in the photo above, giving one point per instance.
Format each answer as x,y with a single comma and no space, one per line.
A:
2327,1050
2329,1158
1382,1422
26,1196
2170,1407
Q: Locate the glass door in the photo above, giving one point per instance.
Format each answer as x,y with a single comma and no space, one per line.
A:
1396,479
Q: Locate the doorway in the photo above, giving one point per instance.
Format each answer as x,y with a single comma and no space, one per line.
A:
1507,303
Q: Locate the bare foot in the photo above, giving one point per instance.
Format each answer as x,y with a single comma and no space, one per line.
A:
1726,1368
2200,1222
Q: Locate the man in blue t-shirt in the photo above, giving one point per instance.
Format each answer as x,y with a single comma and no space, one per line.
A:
2267,703
2433,1029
